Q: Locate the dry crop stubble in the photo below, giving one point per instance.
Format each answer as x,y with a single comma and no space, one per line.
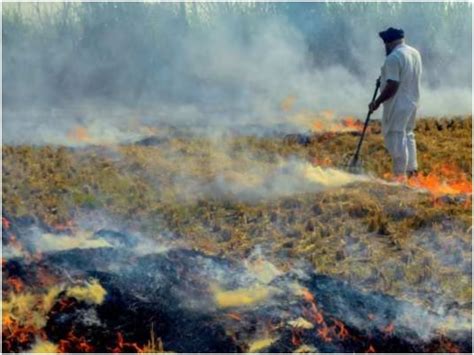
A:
219,197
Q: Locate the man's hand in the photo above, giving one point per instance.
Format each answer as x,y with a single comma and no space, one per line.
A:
373,106
388,92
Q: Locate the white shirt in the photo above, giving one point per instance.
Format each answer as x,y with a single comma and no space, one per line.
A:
403,64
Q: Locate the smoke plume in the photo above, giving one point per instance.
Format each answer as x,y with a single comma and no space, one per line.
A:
215,65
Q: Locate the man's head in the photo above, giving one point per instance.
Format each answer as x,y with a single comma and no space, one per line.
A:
392,37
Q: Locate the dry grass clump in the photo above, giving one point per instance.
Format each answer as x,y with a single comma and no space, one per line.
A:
54,183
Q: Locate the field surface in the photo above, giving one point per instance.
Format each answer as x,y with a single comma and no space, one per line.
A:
282,197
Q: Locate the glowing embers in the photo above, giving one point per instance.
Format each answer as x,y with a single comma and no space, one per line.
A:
5,223
9,237
26,314
125,347
102,307
371,349
15,283
326,330
31,294
74,343
16,337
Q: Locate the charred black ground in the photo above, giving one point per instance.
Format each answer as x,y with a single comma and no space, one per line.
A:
168,296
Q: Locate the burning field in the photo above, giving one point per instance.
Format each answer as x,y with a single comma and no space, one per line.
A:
184,242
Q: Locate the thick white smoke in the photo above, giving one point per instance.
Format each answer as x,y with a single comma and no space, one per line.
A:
213,65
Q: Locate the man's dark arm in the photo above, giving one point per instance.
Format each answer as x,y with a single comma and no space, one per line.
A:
389,90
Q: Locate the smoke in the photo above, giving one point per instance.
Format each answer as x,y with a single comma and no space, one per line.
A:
225,171
285,179
215,65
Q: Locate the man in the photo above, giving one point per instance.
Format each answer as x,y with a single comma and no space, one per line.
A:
400,94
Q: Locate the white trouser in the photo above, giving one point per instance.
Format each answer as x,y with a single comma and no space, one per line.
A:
400,140
402,149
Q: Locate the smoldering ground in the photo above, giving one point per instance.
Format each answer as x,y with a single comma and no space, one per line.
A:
211,65
226,289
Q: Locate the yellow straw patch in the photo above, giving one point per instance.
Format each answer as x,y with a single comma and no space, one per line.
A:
91,293
241,296
19,307
50,298
260,344
81,240
44,347
301,323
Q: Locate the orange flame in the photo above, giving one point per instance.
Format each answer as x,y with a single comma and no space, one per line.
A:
45,278
328,114
16,335
371,349
5,223
326,161
296,338
234,316
16,284
324,334
318,126
351,122
65,303
329,125
123,346
388,330
312,312
318,318
446,179
64,226
340,329
16,244
308,296
74,344
79,134
448,346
